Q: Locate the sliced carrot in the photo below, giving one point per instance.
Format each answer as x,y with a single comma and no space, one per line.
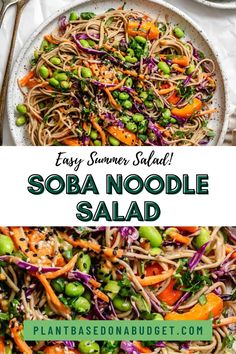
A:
117,86
101,295
4,230
50,39
54,299
24,81
170,295
229,249
99,130
225,322
182,61
179,238
94,283
112,100
190,229
59,260
69,266
145,29
166,90
32,83
155,279
188,110
174,98
213,306
177,68
141,348
153,269
2,345
72,142
123,135
207,112
21,345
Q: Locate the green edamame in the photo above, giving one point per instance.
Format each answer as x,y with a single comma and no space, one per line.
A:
143,95
86,73
53,82
21,108
127,104
20,121
84,262
158,317
138,117
122,304
44,72
97,142
155,251
125,119
113,141
61,77
55,61
152,234
132,127
202,238
123,96
81,305
6,245
65,85
166,113
88,347
84,43
140,39
190,69
74,16
131,60
129,82
58,285
93,134
148,104
112,288
74,289
179,33
163,67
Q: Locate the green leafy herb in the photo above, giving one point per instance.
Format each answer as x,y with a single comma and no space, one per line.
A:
202,300
45,118
179,134
228,341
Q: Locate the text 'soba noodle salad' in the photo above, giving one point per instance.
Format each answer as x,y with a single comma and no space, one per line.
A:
120,78
146,273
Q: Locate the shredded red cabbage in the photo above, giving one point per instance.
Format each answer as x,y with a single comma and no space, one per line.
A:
129,233
77,275
157,132
181,300
69,344
160,344
129,348
62,23
193,262
231,235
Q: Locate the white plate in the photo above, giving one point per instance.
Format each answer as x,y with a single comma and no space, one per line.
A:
154,8
227,4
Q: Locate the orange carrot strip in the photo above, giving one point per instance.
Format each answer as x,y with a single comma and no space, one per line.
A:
24,81
190,229
70,265
72,142
179,238
225,322
141,348
4,230
176,67
117,86
112,100
188,110
2,345
170,295
146,29
174,98
229,249
166,90
20,343
100,130
209,111
124,135
155,279
54,299
213,306
94,283
182,61
101,295
50,39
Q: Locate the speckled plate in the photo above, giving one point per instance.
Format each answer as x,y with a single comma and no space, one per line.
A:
154,8
220,4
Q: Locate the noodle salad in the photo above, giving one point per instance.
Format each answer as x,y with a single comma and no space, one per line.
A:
120,78
145,273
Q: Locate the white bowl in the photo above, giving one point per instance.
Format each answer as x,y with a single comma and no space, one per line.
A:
225,4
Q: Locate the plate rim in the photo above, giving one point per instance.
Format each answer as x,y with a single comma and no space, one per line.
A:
225,6
169,6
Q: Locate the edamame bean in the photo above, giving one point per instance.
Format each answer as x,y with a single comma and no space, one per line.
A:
130,51
21,108
110,347
127,104
141,304
125,119
173,120
155,251
190,69
58,285
122,304
143,95
61,77
53,82
81,305
44,45
87,15
84,43
6,245
202,238
84,262
129,82
112,288
132,127
74,289
88,347
36,54
44,72
140,39
131,60
163,67
65,85
138,117
93,134
86,73
148,104
142,127
91,42
55,61
74,16
68,254
158,317
179,33
97,142
152,234
113,141
123,96
20,121
116,94
166,113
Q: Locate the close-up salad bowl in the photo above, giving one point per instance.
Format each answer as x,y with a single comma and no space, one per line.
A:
109,73
118,273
